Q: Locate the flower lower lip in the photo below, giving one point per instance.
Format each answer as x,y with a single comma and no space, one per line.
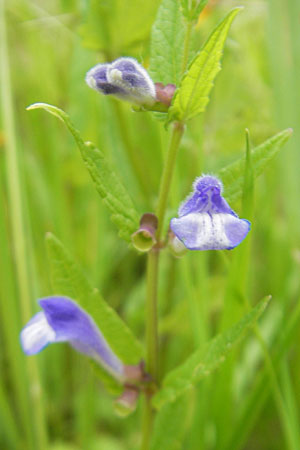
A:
206,221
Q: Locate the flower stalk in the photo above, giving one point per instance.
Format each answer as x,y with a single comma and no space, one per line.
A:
151,314
152,355
178,130
153,255
153,264
186,48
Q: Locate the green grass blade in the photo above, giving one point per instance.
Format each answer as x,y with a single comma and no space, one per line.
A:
290,396
254,402
18,229
10,325
8,426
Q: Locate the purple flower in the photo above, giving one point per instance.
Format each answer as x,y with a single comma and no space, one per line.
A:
206,221
62,320
124,78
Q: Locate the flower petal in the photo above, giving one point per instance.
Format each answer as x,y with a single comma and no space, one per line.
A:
64,321
37,334
206,221
204,231
134,74
206,197
124,78
96,78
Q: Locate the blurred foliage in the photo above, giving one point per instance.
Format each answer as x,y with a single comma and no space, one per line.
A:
52,45
116,27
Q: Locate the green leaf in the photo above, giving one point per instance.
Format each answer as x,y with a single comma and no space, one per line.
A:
192,95
111,384
199,6
191,10
107,182
167,39
69,280
201,363
169,425
232,175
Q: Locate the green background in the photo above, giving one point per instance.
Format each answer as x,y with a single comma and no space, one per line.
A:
51,46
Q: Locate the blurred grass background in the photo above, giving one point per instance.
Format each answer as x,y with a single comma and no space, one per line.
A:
51,45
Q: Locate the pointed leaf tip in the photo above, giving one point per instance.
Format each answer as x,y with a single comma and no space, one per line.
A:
107,181
232,175
192,95
68,280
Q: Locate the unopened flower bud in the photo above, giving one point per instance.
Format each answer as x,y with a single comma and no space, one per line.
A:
164,94
136,374
125,79
126,403
144,238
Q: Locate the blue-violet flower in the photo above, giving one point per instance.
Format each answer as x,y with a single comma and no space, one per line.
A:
62,320
124,78
206,221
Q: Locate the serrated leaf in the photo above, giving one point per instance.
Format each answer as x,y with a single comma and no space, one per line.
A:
107,182
169,425
232,175
192,95
68,280
167,39
204,361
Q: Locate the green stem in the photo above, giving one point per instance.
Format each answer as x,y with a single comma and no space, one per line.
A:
148,415
152,282
153,261
151,312
167,175
18,228
151,342
153,256
186,46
